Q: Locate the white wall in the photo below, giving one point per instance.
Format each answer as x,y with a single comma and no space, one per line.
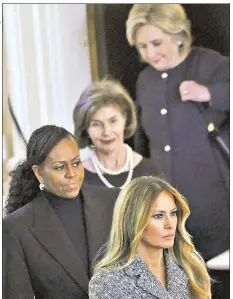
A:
48,64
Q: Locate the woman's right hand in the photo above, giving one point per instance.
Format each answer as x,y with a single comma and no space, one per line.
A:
193,91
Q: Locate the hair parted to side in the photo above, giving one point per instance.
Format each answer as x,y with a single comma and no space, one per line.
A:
132,212
102,93
170,18
24,185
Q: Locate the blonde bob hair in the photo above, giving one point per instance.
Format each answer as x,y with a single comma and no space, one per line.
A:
132,212
170,18
100,94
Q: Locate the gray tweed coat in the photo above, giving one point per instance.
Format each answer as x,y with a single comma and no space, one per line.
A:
136,281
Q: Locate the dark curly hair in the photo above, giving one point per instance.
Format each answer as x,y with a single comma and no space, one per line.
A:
24,185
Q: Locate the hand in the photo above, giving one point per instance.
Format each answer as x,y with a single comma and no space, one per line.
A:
193,91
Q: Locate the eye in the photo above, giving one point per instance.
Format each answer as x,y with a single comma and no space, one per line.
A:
158,216
76,163
59,168
174,213
113,121
156,44
95,124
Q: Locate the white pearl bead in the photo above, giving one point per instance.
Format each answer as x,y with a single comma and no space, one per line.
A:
103,179
163,111
164,75
167,148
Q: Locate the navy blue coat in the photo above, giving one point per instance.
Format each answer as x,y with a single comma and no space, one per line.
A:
174,134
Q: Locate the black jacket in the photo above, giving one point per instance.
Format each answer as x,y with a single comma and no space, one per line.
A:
39,259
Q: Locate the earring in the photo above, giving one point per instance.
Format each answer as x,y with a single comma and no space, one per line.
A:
180,43
41,186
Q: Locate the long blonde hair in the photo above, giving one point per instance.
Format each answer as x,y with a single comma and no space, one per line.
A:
132,213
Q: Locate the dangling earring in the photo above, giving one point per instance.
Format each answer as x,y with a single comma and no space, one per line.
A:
41,186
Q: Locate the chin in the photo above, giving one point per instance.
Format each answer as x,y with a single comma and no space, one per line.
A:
72,194
170,245
160,68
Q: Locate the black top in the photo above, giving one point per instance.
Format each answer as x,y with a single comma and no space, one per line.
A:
144,168
70,213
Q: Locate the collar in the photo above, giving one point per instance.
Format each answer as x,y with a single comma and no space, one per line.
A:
177,281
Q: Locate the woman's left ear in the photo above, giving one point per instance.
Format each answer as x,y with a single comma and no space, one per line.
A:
37,172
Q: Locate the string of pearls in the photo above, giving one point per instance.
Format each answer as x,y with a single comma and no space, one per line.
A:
98,168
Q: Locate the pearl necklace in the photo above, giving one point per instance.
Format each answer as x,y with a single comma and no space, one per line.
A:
111,172
98,167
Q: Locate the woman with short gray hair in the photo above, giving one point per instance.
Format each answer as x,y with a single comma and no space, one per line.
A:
104,116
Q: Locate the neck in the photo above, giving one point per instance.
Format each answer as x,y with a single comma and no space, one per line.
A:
182,56
153,258
114,160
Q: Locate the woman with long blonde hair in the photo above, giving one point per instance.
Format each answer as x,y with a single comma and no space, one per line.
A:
149,253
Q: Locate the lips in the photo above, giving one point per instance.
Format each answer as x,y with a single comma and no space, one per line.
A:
71,185
108,141
168,237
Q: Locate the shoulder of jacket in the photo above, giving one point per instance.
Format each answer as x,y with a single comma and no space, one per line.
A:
145,72
207,55
21,216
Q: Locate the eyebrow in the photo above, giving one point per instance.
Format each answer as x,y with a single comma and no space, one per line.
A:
151,41
101,121
161,211
77,157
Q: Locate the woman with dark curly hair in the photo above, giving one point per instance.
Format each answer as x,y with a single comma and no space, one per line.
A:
45,239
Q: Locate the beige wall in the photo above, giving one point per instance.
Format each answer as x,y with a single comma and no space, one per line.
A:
6,118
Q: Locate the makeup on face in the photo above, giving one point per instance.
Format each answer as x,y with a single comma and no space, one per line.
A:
161,229
157,48
62,172
107,128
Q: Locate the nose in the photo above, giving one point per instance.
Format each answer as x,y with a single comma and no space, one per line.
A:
70,172
106,130
168,223
150,51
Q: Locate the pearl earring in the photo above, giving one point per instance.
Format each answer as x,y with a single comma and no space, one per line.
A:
180,43
41,186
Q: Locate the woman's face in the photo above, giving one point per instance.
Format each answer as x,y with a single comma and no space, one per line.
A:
62,172
107,128
157,48
161,230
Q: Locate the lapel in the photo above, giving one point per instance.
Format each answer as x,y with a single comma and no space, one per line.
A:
146,280
177,280
98,209
49,232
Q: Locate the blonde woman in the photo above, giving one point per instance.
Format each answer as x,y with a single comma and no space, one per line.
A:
149,253
171,128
